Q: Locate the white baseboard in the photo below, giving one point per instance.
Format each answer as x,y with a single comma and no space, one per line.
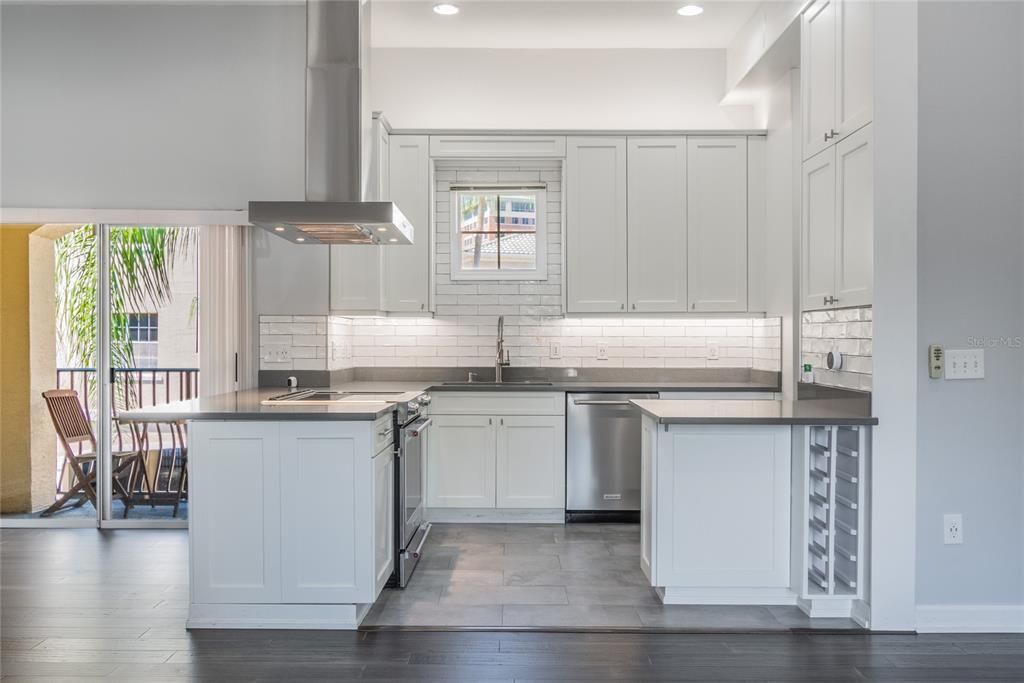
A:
970,618
676,595
249,616
826,608
494,515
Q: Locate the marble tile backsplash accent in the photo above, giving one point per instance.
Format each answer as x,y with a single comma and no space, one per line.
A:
847,330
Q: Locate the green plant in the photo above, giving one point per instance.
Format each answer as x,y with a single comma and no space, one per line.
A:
142,260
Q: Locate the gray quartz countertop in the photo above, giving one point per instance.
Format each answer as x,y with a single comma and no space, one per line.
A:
616,386
758,412
247,405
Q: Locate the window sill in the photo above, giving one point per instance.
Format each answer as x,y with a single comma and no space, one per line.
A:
499,276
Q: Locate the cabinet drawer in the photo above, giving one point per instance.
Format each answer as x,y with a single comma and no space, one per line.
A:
499,402
383,433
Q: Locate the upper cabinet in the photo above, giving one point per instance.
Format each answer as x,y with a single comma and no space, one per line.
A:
836,64
405,282
595,232
716,190
657,224
836,264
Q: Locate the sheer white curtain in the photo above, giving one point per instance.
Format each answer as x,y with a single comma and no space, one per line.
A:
225,310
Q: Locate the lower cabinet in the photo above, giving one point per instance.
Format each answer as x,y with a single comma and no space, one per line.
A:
715,510
289,513
496,461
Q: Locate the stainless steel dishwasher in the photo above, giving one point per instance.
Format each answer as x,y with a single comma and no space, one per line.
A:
602,455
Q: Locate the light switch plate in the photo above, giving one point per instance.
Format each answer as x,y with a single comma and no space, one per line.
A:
965,363
556,349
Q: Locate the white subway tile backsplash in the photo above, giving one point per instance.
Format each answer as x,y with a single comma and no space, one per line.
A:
848,331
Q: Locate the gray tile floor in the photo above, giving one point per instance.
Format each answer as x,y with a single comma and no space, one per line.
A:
553,575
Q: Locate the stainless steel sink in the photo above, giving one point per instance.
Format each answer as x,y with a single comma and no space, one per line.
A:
494,384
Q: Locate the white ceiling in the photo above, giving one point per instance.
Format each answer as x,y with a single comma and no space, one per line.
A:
558,24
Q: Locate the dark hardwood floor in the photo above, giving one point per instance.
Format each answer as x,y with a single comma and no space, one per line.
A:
81,605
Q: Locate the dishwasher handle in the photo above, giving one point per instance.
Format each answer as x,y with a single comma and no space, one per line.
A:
579,402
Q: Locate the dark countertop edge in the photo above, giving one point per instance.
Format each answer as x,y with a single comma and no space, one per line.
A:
570,387
768,421
253,417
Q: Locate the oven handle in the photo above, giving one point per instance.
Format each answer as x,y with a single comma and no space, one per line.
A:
418,426
423,539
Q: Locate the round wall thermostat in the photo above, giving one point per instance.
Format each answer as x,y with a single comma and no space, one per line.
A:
834,360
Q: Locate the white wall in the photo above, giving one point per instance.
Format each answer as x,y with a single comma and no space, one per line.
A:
554,89
971,227
172,106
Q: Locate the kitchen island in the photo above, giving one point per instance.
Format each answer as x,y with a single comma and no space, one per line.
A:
757,502
291,508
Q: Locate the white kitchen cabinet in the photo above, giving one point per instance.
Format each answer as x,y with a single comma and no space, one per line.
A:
656,194
818,75
837,231
719,501
325,550
818,228
648,444
290,523
855,226
530,461
836,56
405,282
237,559
461,462
717,223
854,66
596,243
383,517
356,269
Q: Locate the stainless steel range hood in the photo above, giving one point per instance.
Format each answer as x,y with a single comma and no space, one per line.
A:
337,45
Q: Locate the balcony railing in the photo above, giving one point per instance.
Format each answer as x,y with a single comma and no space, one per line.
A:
164,443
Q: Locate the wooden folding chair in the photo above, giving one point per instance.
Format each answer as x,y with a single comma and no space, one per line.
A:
73,427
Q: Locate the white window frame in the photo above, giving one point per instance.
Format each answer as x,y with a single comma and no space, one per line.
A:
538,273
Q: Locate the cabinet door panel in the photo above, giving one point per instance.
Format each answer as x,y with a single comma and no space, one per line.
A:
406,268
236,553
531,462
717,223
855,219
818,231
596,225
730,493
383,518
657,224
461,462
854,65
818,75
327,546
355,277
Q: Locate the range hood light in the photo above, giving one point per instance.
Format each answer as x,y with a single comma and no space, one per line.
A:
279,228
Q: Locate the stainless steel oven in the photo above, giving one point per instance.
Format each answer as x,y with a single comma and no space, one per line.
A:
410,450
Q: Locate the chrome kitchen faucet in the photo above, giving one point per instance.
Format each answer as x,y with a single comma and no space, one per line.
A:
501,357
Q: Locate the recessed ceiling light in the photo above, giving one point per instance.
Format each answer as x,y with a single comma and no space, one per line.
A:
689,10
446,8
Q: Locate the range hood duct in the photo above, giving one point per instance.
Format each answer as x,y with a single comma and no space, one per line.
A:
337,35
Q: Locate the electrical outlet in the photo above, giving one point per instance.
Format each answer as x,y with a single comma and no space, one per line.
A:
334,350
602,350
953,529
277,354
556,349
965,363
713,352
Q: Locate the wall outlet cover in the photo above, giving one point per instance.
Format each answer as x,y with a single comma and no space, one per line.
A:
556,349
965,363
713,352
602,350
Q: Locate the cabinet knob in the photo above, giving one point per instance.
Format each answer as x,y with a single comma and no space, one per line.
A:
634,307
622,307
